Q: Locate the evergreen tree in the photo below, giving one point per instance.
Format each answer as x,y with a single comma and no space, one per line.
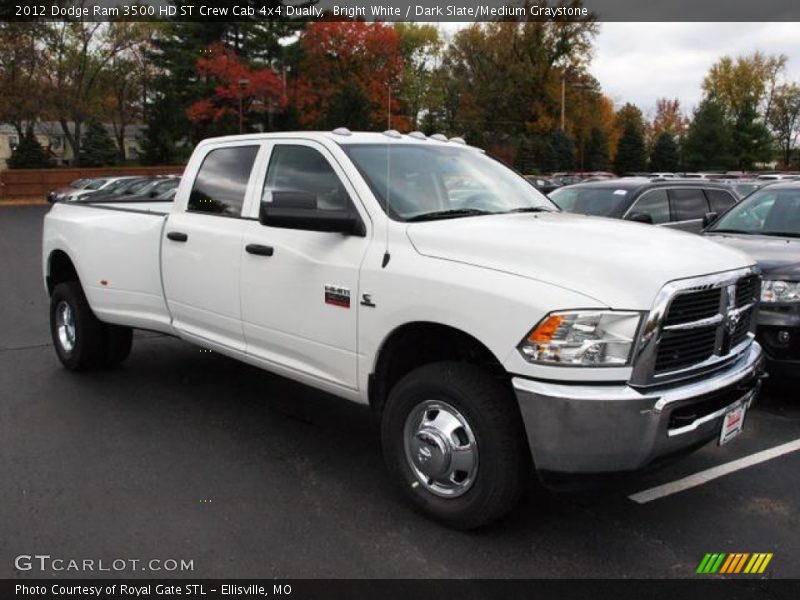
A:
631,155
664,156
29,154
97,148
596,153
752,141
708,141
525,160
563,151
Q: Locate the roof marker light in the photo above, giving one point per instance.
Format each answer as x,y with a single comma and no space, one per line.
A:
392,133
458,140
417,135
342,131
439,137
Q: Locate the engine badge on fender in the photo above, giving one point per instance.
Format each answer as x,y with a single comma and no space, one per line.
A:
337,296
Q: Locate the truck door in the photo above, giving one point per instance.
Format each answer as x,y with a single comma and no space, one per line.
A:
202,248
300,296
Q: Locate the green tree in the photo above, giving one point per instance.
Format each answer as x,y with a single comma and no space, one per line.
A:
631,155
420,47
29,154
664,156
563,151
785,119
708,142
98,149
752,142
596,153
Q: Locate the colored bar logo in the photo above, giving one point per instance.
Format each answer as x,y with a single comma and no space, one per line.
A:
734,563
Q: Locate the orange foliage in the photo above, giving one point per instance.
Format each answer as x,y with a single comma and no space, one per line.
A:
363,57
258,88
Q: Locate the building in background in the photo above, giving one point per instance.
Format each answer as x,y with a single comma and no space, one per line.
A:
52,139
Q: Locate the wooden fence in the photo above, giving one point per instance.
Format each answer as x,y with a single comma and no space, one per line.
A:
35,183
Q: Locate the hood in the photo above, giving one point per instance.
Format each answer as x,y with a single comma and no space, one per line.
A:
617,263
777,257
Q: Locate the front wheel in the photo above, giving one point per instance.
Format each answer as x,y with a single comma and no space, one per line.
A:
453,438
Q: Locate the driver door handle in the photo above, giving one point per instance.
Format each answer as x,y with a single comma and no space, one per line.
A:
259,250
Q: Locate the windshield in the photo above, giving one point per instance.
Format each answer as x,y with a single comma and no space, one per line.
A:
767,212
600,202
419,182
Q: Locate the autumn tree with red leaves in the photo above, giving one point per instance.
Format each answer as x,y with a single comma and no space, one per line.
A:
350,75
260,90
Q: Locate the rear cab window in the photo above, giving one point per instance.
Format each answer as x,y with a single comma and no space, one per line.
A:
221,182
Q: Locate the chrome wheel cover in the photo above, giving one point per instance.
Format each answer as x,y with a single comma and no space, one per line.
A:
65,326
440,448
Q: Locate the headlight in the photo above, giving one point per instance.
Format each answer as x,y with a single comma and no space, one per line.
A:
780,291
583,338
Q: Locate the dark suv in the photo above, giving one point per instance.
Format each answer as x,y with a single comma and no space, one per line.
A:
672,203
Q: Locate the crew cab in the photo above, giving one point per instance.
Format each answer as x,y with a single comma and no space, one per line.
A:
495,335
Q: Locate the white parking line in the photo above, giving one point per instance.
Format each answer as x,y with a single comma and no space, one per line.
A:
713,473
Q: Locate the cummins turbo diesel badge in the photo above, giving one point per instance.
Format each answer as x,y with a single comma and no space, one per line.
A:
337,296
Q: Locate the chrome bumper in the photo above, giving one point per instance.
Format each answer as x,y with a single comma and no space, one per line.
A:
611,428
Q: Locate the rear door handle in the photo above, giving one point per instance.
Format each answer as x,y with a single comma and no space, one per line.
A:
259,249
177,236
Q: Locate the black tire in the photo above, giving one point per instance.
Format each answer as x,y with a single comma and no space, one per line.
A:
87,349
489,408
119,340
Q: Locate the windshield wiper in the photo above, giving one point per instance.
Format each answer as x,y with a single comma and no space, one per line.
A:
449,214
731,231
532,209
790,234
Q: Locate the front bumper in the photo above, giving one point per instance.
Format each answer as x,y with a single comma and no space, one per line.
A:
583,429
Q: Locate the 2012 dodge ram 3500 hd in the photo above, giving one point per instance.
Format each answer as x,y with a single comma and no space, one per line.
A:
492,332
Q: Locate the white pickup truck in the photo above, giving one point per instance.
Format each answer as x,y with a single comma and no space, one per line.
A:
493,333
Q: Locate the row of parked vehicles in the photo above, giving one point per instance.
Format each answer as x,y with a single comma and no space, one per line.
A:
763,221
494,333
116,189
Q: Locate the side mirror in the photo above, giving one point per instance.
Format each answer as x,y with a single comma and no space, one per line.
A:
709,218
299,210
640,217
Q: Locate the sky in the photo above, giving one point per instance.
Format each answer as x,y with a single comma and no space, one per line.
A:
641,62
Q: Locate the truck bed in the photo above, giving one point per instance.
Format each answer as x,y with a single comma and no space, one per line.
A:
116,249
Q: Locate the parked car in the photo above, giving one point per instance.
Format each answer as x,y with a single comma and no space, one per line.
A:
99,185
663,176
542,184
491,331
671,203
766,225
138,189
777,176
58,194
745,187
117,187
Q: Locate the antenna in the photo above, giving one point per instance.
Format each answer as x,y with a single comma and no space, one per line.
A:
386,255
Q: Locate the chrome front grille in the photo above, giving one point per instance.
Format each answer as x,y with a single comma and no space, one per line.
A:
697,326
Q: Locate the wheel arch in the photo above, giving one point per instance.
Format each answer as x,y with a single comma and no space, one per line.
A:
418,343
60,269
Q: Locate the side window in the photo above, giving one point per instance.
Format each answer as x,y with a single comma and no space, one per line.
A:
654,203
221,182
688,204
720,200
303,169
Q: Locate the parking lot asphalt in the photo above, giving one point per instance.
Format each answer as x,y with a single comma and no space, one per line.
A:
189,455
